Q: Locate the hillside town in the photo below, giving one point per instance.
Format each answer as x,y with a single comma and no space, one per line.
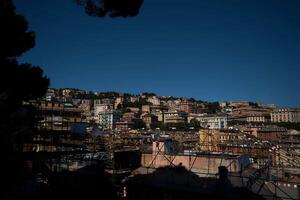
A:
254,146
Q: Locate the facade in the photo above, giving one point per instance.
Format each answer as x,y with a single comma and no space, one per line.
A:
285,115
159,114
118,101
268,133
146,109
108,119
133,99
124,125
187,107
210,139
102,108
259,118
56,115
154,100
250,111
97,102
211,121
174,117
149,119
238,104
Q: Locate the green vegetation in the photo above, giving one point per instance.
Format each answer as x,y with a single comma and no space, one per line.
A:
148,94
213,107
139,124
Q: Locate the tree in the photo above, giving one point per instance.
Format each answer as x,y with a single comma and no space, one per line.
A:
112,8
139,124
195,123
213,107
18,82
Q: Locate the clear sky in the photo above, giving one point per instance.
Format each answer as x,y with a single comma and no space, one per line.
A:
207,49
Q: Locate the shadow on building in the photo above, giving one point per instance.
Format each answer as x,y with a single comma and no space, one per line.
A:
176,182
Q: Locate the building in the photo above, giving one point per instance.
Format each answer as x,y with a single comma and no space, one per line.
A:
124,125
259,118
97,102
211,121
129,117
154,100
108,119
50,94
209,140
268,133
159,114
146,109
102,108
174,117
149,119
56,115
187,107
238,104
285,115
119,100
133,99
250,111
223,104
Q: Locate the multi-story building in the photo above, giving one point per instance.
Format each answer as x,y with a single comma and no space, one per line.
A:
119,100
102,107
249,111
259,118
267,133
159,114
86,107
174,117
146,109
211,121
154,100
149,119
124,125
285,115
187,107
238,104
108,119
97,102
209,140
56,115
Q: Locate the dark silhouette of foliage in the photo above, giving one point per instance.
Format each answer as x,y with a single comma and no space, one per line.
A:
113,8
18,82
213,107
15,38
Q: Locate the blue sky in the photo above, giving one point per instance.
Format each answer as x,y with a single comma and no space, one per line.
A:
207,49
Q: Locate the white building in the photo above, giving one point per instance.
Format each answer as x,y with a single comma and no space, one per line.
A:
108,119
154,100
210,121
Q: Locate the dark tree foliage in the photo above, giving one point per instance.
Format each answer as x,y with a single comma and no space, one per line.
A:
15,38
148,94
113,8
139,124
18,82
213,107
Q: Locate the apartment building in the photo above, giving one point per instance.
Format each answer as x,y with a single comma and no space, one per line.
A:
285,115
